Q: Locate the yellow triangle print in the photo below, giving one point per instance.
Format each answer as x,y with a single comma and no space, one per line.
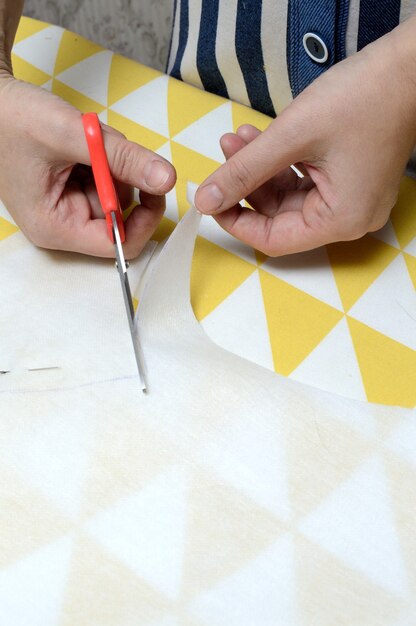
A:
73,50
164,230
388,368
135,132
403,216
297,322
6,229
28,72
28,27
190,166
126,76
121,592
215,274
77,99
356,265
411,266
244,115
186,105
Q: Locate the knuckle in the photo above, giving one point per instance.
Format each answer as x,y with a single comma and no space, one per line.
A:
239,174
125,160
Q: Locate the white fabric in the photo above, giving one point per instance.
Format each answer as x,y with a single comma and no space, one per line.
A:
304,477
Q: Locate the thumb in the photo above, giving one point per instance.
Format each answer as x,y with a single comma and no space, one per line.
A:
129,162
280,145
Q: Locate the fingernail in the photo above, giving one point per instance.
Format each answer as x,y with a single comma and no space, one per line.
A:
209,199
157,173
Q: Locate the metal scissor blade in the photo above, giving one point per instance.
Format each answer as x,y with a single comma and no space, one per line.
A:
128,301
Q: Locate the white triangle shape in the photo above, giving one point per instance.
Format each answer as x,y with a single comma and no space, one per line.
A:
211,230
356,524
387,235
251,457
239,324
310,272
171,199
402,440
261,593
90,76
389,304
5,214
47,85
203,136
147,106
411,247
333,366
53,457
103,116
32,589
146,531
41,49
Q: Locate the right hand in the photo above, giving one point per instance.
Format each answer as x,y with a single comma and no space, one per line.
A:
47,186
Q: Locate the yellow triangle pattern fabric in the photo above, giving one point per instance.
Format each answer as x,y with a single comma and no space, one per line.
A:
127,76
28,72
297,322
187,104
164,230
216,273
28,27
76,98
403,216
411,266
72,50
356,265
244,115
388,368
135,132
6,228
190,166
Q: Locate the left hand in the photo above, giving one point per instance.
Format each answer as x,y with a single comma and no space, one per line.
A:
351,132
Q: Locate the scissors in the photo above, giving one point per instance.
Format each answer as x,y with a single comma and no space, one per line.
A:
110,205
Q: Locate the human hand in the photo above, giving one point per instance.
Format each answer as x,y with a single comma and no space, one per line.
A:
351,132
47,186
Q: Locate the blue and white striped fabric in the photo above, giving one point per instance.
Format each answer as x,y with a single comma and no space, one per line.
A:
252,50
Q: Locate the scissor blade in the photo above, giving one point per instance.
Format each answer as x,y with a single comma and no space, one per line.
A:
128,301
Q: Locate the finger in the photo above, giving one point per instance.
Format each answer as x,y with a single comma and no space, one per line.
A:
262,199
129,162
281,144
83,175
288,178
286,233
275,194
142,223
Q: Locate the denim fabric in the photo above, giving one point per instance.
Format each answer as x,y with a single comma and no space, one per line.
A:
206,60
376,19
183,39
249,50
326,18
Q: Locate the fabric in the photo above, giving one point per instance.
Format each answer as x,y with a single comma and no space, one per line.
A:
267,65
224,496
318,317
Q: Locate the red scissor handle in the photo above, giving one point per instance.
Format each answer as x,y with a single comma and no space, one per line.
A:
102,175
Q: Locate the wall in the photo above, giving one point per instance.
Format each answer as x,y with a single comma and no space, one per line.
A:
139,29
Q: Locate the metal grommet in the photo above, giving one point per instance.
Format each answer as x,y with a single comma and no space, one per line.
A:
315,47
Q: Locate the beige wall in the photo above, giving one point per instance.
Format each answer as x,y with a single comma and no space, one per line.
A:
136,28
